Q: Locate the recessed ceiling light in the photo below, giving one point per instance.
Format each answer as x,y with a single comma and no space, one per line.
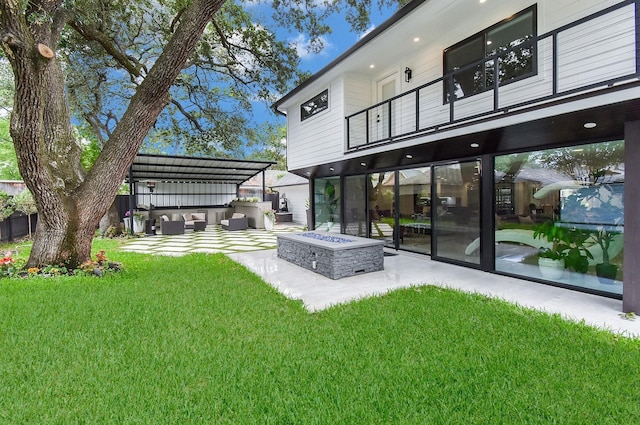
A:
416,39
364,164
372,66
474,145
590,125
408,156
483,1
489,42
308,173
331,168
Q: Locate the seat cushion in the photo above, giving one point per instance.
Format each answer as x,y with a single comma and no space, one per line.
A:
237,215
198,216
224,222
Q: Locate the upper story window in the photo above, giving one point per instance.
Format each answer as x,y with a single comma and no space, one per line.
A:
312,106
477,74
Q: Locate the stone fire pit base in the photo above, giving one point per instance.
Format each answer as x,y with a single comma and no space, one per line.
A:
332,255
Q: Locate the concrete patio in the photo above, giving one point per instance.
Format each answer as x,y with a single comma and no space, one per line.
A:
406,270
255,249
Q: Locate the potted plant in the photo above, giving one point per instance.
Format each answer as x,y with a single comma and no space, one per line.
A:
138,222
606,271
567,250
604,205
269,218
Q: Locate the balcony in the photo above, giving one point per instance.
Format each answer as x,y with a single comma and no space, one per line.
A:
592,54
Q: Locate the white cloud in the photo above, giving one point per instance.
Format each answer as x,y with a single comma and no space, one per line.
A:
367,31
302,44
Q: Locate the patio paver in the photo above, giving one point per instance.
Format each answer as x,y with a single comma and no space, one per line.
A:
213,239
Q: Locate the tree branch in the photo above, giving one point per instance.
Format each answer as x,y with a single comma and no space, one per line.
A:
189,116
91,34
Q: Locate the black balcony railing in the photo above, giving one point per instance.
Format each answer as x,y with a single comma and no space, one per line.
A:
431,107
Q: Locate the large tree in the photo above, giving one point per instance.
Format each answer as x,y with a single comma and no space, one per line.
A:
117,65
71,203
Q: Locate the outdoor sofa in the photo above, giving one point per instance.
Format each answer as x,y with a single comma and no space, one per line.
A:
195,221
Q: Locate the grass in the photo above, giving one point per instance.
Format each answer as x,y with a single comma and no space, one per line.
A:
199,339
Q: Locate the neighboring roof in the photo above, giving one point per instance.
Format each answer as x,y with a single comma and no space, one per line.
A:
12,187
290,179
170,168
401,13
270,177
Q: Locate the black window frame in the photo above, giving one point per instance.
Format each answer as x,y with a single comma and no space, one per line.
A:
316,104
481,62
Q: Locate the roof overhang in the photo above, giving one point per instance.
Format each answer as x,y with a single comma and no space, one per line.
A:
170,168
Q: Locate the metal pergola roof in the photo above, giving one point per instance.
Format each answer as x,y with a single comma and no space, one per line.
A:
169,168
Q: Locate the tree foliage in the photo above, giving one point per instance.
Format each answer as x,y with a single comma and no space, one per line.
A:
8,161
6,205
594,159
268,143
183,72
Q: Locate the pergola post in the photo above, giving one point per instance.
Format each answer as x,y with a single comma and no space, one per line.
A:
131,200
264,186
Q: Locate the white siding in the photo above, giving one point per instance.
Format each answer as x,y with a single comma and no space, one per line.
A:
358,95
297,197
320,138
604,46
184,194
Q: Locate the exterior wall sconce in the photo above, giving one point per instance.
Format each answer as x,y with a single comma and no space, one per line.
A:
407,74
151,185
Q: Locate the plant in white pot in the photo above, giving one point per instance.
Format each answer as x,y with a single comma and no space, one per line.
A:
269,219
138,222
567,250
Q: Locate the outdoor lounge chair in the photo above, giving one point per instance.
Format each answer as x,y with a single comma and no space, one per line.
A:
170,227
238,221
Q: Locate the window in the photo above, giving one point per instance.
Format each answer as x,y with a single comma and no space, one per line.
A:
313,106
326,199
569,202
473,74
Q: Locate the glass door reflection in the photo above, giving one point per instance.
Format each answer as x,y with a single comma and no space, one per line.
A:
456,214
414,206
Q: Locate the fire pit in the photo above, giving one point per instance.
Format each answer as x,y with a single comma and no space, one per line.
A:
331,255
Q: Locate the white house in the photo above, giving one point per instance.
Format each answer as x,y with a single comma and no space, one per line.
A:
458,128
295,189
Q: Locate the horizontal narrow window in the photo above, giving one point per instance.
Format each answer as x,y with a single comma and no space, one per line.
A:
313,106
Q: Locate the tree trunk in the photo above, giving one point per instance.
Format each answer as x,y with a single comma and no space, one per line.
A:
110,219
68,244
70,204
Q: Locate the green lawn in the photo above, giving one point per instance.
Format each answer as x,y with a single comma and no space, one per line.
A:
199,339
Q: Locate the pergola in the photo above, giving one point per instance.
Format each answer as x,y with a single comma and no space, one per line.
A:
149,167
152,169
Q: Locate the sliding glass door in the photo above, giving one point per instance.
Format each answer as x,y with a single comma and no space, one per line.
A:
355,205
414,207
382,206
456,212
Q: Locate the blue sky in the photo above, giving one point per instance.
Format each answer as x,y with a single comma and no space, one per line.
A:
336,43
